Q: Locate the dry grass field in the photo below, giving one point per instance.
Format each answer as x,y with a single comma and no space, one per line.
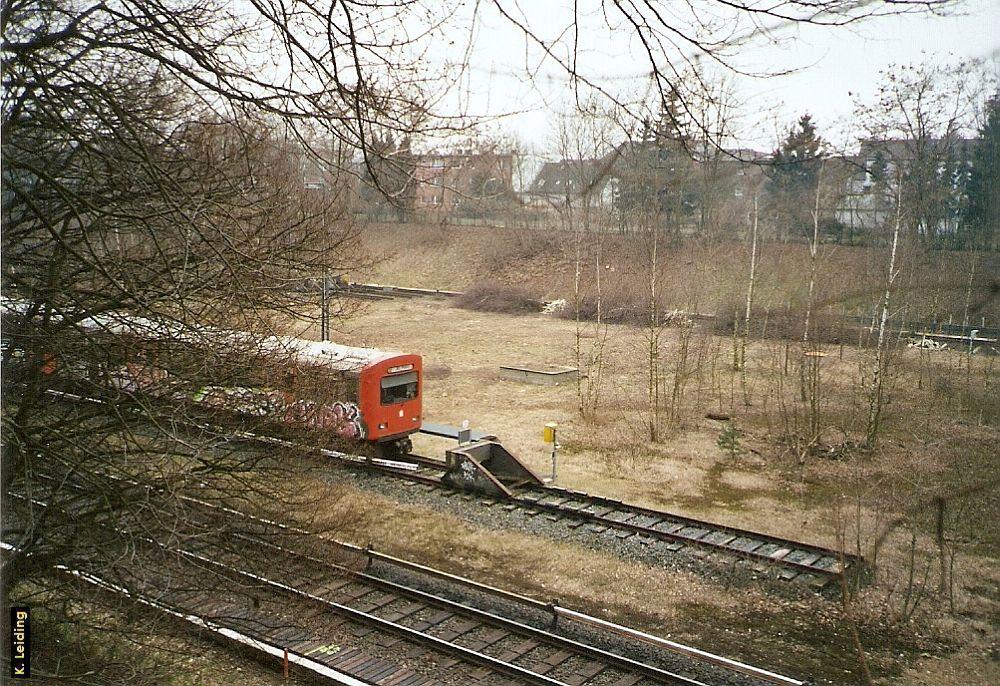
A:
928,616
930,443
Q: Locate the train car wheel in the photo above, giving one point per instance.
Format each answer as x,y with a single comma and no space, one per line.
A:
394,449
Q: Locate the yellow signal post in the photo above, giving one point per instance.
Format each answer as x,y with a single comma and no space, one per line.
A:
549,436
549,432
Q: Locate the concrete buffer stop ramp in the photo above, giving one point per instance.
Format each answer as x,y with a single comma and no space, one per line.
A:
487,467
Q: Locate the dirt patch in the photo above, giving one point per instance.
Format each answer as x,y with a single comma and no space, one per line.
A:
745,481
436,372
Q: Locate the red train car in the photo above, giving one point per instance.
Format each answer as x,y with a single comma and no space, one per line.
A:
358,394
382,391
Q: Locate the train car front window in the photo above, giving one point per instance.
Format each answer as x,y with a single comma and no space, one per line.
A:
399,388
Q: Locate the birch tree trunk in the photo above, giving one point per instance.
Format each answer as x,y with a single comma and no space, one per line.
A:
876,393
810,376
813,248
747,312
654,341
596,363
577,269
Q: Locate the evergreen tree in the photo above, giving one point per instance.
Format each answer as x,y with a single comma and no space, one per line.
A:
387,177
729,440
981,222
955,175
793,177
673,122
878,170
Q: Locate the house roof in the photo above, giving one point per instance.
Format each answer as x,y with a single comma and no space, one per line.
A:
567,176
576,176
906,148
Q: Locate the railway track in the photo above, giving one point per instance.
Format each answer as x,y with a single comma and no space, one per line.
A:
803,562
479,638
366,616
794,561
374,291
813,565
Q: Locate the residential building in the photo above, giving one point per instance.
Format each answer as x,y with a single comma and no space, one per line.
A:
573,181
466,183
933,173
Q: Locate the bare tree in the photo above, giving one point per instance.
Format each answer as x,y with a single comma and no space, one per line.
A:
810,359
671,44
751,282
917,128
161,185
725,175
584,142
880,367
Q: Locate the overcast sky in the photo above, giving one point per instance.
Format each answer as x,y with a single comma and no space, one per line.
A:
831,64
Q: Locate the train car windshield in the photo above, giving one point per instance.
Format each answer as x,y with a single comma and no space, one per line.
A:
399,388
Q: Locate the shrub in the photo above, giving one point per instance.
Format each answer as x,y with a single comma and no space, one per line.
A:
619,307
494,297
623,305
782,324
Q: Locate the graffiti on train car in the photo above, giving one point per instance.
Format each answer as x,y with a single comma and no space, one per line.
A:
342,418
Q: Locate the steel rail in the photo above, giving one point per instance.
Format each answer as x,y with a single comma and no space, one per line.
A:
405,291
829,574
566,613
618,506
511,625
688,521
240,638
748,670
582,618
441,645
